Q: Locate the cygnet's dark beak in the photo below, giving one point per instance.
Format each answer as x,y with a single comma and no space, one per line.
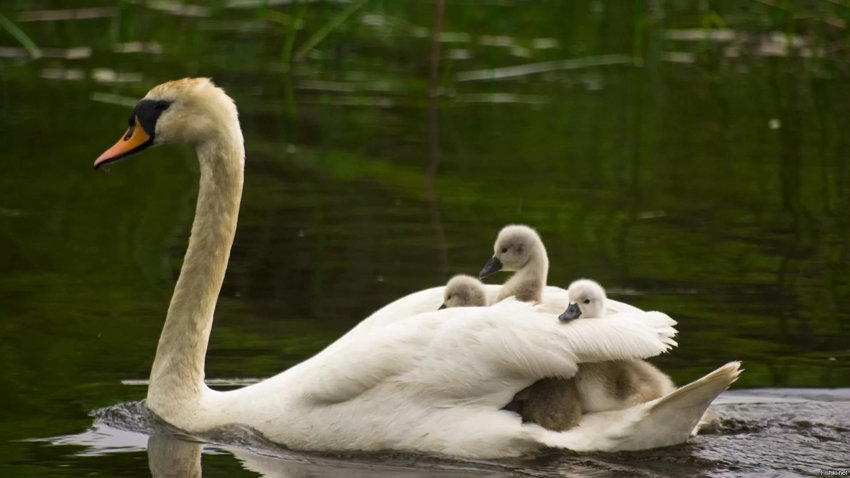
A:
492,266
572,312
442,307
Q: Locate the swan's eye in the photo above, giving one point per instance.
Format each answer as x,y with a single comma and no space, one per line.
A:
586,301
131,127
162,105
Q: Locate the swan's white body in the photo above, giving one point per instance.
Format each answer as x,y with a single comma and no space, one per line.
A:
408,377
434,381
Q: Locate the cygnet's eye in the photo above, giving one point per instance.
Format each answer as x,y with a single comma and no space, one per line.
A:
586,301
449,298
504,250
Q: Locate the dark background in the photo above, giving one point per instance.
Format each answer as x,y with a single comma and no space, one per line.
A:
691,156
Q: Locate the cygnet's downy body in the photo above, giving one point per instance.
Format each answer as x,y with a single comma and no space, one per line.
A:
464,291
617,384
552,402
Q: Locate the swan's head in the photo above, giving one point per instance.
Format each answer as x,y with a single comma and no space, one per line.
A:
192,111
464,291
587,299
515,246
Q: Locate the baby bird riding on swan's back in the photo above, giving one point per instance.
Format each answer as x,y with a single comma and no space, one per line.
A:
519,248
611,385
464,291
618,384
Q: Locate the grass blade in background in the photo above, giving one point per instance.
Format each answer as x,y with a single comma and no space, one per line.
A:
327,28
22,37
294,26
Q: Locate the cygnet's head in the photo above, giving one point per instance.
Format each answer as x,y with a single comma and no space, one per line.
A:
191,111
587,299
515,247
464,291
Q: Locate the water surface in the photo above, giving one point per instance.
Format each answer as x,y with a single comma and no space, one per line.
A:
691,157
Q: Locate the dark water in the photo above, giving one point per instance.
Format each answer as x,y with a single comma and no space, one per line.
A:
765,433
690,156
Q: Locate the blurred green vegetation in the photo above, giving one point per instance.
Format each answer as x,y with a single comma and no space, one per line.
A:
689,155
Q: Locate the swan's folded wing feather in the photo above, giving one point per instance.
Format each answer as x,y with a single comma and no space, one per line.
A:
490,348
496,349
426,300
621,336
478,352
616,307
344,371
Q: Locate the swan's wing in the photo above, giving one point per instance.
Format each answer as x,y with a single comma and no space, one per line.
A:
425,300
664,325
380,332
556,297
477,352
616,307
494,349
350,367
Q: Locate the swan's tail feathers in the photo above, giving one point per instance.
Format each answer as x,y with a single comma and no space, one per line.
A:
708,424
677,415
665,421
698,392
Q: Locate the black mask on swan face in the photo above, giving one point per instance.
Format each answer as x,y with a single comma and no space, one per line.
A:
140,132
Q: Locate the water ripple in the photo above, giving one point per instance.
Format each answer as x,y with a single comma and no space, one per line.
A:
764,432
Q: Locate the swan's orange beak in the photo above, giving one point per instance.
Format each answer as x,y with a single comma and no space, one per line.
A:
134,140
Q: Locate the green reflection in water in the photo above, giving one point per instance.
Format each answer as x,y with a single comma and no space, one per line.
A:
699,168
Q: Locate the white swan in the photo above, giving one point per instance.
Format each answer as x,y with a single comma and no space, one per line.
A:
612,385
430,382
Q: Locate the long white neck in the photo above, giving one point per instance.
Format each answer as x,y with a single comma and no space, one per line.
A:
528,282
177,376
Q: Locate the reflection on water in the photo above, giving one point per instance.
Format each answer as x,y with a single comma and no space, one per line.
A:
766,431
690,156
